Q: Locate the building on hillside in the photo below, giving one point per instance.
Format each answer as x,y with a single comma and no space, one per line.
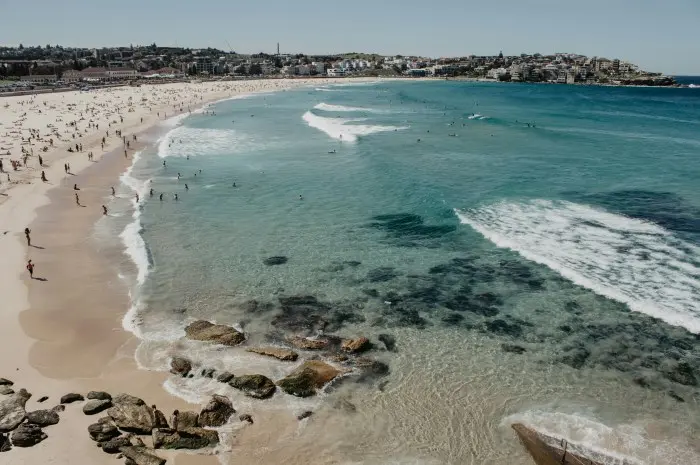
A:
39,78
335,72
120,73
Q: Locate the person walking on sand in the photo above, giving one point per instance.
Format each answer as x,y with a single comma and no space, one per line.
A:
104,210
28,231
75,187
77,199
113,193
41,161
30,268
43,177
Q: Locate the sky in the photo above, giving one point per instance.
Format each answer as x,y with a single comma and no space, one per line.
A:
658,35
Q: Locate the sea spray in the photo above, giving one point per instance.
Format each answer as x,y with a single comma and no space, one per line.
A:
342,128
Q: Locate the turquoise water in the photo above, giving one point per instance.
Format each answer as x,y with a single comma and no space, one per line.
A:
534,250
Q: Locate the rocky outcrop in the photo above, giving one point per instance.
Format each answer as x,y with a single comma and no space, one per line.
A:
5,382
141,456
4,443
180,366
285,355
304,415
389,341
132,414
98,395
96,406
216,412
43,417
104,430
184,420
224,377
6,390
188,438
72,397
547,450
246,417
12,411
114,445
256,386
311,375
221,334
27,435
355,346
160,421
308,344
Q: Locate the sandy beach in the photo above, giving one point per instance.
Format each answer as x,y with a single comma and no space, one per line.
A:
61,332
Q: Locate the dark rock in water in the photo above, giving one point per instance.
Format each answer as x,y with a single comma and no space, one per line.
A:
202,330
6,390
504,328
276,260
576,358
113,445
311,375
132,414
27,435
371,292
256,386
408,227
482,304
304,415
640,381
96,406
409,317
187,438
381,275
140,456
675,396
352,263
302,314
308,344
4,443
545,450
216,412
512,348
682,373
224,377
285,355
208,373
104,430
99,395
43,417
389,341
572,307
43,399
5,382
344,405
246,417
565,328
184,420
371,368
355,346
72,397
453,319
12,411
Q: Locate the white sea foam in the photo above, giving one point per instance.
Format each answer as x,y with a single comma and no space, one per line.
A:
629,260
131,235
694,86
343,108
477,116
339,128
185,141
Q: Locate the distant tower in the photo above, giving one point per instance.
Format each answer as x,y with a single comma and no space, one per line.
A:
278,48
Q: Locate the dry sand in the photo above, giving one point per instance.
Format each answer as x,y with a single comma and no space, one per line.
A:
62,333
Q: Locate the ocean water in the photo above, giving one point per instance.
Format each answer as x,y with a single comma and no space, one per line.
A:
534,250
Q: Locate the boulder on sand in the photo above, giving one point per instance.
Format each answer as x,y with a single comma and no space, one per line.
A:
140,456
180,366
98,395
216,412
27,435
12,411
543,451
72,397
43,417
113,445
4,443
132,414
256,386
308,344
5,382
6,390
187,438
285,355
202,330
95,406
104,430
183,420
354,346
311,375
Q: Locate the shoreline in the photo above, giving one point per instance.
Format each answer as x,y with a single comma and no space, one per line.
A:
66,332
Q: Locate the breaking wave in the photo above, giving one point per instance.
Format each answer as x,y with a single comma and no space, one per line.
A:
343,108
340,129
629,260
185,141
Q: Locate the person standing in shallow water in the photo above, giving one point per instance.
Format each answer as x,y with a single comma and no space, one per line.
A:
104,210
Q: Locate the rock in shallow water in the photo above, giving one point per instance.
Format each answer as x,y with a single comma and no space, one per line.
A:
311,375
27,435
354,346
389,341
308,344
216,412
276,260
277,352
221,334
12,411
188,438
512,348
224,377
256,386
